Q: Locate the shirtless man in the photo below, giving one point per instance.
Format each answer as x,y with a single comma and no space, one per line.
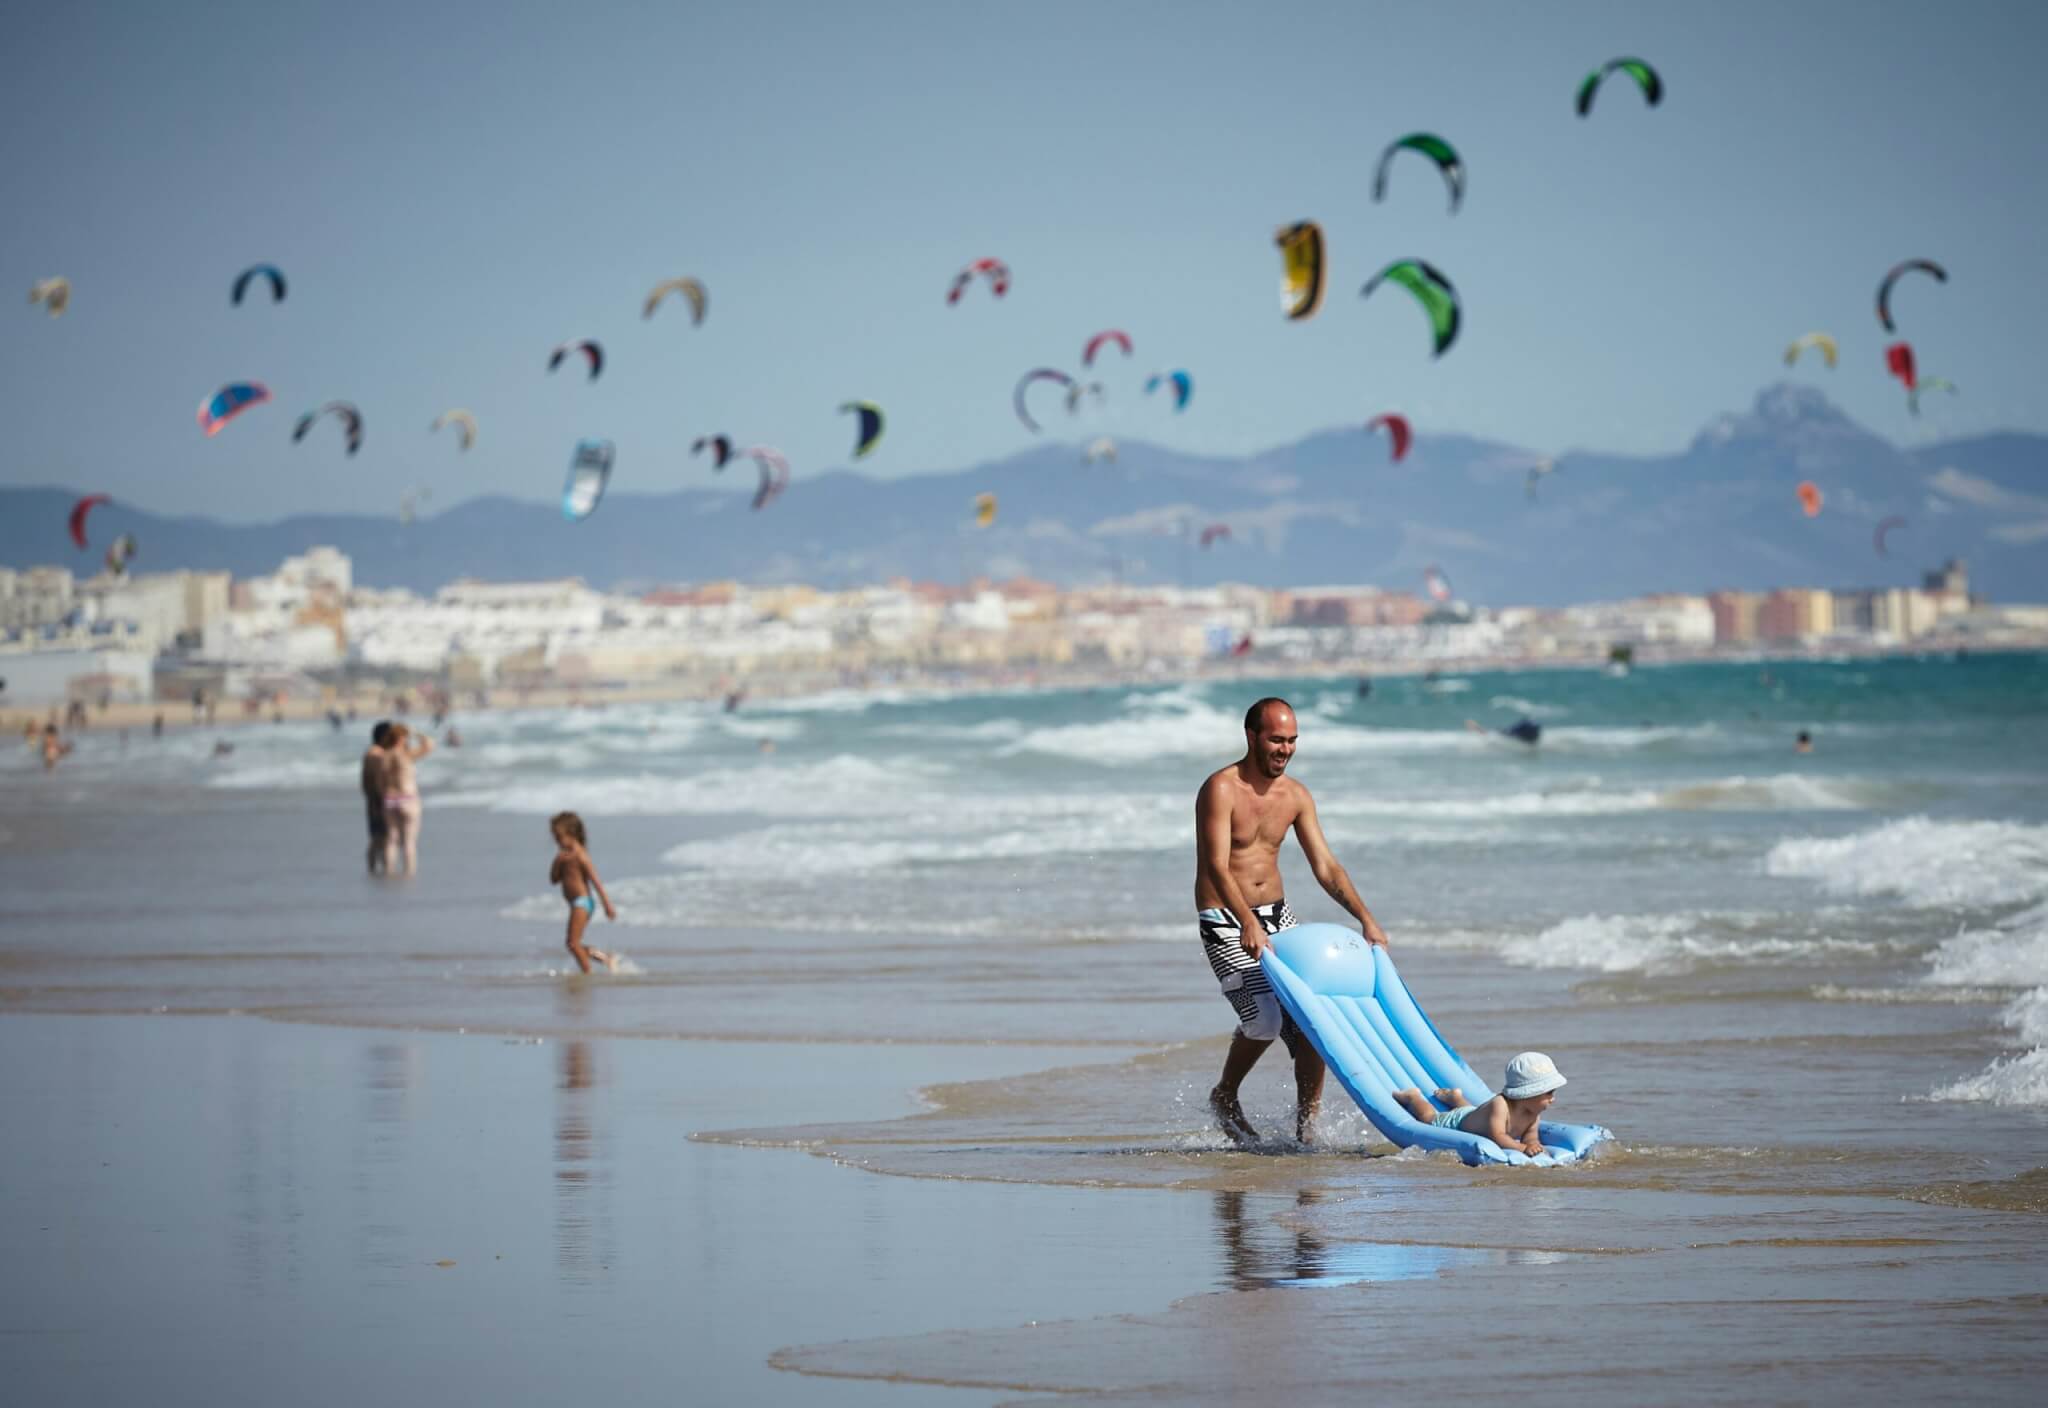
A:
1242,814
373,794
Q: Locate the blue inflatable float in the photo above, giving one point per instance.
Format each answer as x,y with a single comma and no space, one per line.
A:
1344,993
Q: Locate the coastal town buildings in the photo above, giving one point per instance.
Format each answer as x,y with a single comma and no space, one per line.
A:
308,629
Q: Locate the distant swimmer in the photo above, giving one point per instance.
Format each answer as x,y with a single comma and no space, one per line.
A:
156,727
1803,743
453,738
1242,814
1364,690
576,873
223,749
1522,730
733,701
55,746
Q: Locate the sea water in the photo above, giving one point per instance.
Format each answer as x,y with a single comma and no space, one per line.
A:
1018,864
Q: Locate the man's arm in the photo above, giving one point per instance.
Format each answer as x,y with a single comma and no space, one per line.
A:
1212,847
1329,873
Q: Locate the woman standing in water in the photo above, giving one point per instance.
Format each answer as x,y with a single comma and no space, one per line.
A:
402,797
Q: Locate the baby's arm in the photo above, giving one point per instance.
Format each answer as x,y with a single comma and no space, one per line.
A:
555,870
590,868
1496,1127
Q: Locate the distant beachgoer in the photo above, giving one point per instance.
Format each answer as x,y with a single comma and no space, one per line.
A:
402,797
1364,690
766,745
198,704
374,758
1510,1118
733,700
222,748
54,746
334,720
1522,730
1242,815
1803,743
453,738
156,727
576,873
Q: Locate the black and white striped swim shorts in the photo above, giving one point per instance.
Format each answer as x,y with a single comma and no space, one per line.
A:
1244,983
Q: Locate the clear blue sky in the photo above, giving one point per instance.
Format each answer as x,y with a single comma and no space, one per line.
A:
455,188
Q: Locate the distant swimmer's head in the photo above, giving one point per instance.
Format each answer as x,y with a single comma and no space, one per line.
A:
568,824
1270,733
1534,1077
1804,743
381,734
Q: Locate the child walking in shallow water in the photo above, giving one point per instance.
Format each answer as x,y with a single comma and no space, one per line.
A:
574,871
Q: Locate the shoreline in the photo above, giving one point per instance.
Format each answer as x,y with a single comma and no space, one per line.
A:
771,688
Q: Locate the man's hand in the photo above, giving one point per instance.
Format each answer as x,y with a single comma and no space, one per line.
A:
1255,940
1374,934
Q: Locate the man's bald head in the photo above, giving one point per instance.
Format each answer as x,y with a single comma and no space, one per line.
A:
1255,717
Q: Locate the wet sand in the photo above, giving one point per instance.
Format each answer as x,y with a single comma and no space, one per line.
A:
220,1209
224,1210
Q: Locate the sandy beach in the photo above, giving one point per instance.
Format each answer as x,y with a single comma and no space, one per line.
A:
899,1095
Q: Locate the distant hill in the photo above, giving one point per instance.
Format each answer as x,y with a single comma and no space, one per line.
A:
1329,508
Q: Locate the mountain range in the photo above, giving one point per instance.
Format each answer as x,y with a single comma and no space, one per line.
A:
1330,508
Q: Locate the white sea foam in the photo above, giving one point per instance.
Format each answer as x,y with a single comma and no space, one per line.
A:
1831,992
843,785
989,731
1585,797
2013,1080
1999,957
988,829
1528,706
1590,802
288,772
1929,864
1195,731
1204,732
2013,953
1665,943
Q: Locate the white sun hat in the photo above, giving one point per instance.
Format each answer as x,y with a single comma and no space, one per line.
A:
1531,1074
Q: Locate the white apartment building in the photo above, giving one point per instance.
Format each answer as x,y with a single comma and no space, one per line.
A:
39,596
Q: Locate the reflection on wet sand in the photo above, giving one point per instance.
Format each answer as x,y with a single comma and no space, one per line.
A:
1265,1246
582,1172
391,1073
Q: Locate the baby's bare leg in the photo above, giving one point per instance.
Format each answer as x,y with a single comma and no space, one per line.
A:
1412,1101
1452,1098
578,921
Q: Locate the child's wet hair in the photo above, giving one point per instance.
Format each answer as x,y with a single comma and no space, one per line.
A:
571,823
